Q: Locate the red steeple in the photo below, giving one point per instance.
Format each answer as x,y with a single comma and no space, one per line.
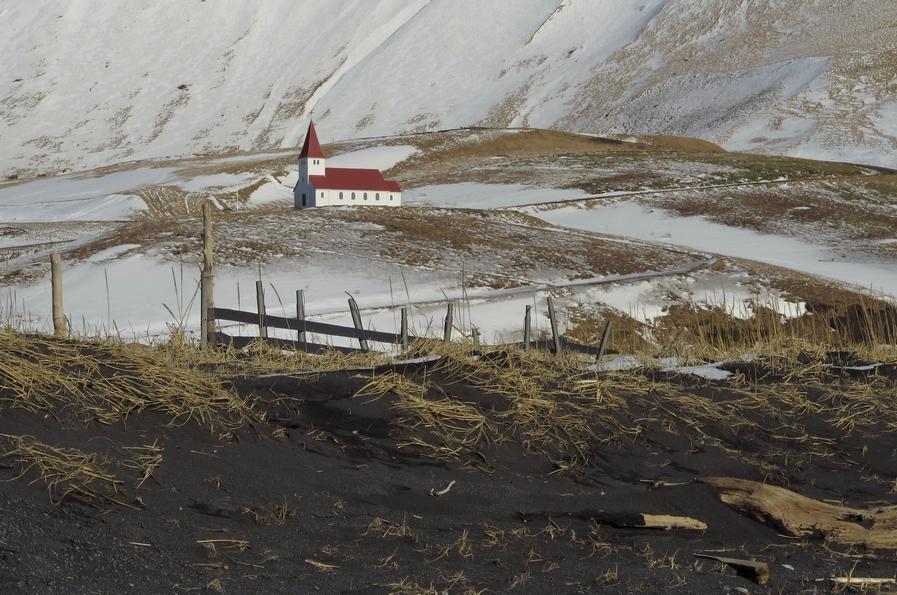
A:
311,148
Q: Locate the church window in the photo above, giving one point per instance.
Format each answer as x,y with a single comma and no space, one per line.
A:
365,195
353,196
341,196
377,196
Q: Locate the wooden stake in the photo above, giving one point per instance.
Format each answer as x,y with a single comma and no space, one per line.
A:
260,302
862,582
527,328
206,283
475,335
750,569
404,329
447,329
556,337
356,320
605,338
59,326
300,314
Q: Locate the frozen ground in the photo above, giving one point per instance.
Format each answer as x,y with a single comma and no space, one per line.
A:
471,195
122,292
634,220
418,255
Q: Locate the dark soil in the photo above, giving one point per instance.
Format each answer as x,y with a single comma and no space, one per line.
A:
360,516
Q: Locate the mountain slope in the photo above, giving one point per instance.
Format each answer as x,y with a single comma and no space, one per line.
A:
91,82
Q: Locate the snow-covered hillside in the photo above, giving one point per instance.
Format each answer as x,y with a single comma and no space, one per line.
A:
87,82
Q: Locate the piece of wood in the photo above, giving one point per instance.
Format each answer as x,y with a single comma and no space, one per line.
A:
262,312
475,336
664,521
605,339
447,327
527,328
301,334
749,569
359,326
862,582
796,515
404,329
555,335
240,342
311,326
59,324
206,282
626,519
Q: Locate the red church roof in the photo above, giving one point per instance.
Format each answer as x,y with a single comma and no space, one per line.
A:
311,148
344,178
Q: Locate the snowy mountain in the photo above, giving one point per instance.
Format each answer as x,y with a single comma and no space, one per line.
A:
86,82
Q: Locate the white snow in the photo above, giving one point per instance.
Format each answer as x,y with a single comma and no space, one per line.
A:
667,364
381,158
271,191
222,181
708,371
631,219
112,207
95,82
471,195
79,197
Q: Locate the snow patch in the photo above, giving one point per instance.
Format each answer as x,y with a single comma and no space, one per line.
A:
382,158
471,195
631,219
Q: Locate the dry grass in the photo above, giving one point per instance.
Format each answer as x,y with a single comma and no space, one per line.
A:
67,472
544,142
105,381
277,515
261,358
455,422
556,407
147,459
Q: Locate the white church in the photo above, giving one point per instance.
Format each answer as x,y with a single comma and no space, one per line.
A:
322,186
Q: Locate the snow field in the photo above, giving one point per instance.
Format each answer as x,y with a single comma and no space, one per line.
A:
631,219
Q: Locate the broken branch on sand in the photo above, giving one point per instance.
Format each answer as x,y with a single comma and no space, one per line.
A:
625,520
796,515
443,491
750,569
862,582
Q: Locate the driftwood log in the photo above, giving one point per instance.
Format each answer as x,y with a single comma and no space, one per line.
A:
624,520
750,569
796,515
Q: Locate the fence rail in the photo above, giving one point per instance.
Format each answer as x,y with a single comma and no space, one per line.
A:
223,339
308,326
212,333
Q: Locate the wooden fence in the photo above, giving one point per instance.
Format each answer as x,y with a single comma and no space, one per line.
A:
211,334
302,327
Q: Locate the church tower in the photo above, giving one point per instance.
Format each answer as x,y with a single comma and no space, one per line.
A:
311,163
311,159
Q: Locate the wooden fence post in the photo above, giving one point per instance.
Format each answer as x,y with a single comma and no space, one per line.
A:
260,301
554,327
527,329
59,325
206,283
356,320
300,314
605,339
475,335
404,329
447,329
